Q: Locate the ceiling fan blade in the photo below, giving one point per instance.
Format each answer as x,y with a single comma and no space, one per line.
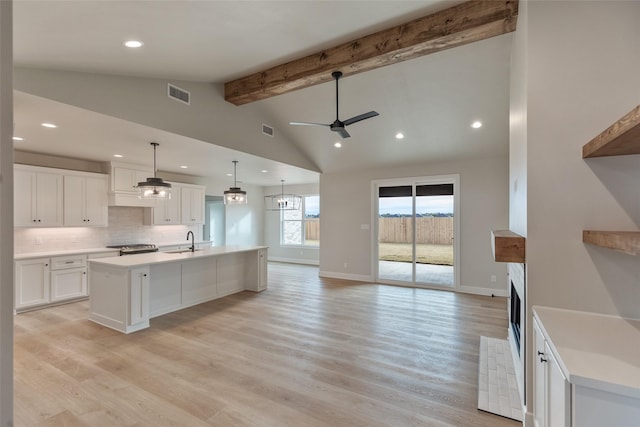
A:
343,132
359,118
307,124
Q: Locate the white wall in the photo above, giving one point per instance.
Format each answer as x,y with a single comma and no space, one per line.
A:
581,74
209,118
346,205
272,229
6,215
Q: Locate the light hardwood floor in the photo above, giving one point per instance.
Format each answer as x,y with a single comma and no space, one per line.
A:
306,352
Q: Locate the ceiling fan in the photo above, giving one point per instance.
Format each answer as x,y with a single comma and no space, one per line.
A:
339,125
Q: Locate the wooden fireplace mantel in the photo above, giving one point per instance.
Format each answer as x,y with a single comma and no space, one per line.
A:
507,246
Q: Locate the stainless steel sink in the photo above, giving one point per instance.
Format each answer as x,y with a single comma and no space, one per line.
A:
181,251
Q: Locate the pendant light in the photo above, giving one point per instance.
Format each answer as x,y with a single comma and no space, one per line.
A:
282,201
234,195
154,188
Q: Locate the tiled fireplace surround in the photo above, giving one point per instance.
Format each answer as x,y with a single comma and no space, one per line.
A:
126,225
517,283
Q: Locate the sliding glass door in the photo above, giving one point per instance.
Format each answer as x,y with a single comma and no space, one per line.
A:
416,229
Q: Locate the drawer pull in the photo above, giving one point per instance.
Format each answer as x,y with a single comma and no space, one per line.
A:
68,262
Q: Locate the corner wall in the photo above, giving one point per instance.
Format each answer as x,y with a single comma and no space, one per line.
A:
347,206
580,72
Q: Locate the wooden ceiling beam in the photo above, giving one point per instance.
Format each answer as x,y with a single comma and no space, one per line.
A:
456,26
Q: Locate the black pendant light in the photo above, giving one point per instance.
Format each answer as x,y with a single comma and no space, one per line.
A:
154,188
235,195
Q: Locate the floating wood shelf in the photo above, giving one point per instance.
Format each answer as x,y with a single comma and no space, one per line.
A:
507,246
622,241
622,137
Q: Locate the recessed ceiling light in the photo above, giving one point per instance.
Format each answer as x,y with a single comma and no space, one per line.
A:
49,125
229,174
399,135
476,124
17,138
338,144
133,43
264,171
184,167
118,155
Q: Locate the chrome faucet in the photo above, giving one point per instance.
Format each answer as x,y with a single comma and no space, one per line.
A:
193,241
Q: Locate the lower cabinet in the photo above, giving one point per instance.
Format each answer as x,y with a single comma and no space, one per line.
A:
552,391
595,384
32,279
256,271
138,297
43,281
67,284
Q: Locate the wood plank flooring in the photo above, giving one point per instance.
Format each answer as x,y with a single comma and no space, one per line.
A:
306,352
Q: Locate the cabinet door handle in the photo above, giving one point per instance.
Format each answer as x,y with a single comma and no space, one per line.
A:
540,353
543,360
144,275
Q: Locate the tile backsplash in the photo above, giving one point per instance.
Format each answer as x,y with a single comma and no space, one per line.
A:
126,225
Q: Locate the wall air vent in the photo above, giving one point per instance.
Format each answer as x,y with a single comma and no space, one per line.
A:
178,94
267,130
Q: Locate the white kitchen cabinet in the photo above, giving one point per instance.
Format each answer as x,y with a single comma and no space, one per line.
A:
167,211
192,210
126,179
85,200
123,182
256,271
138,297
587,375
38,197
68,284
31,282
552,391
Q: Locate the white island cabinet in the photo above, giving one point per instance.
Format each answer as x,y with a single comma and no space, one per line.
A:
586,369
127,291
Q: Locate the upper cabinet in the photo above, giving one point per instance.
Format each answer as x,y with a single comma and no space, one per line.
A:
186,206
166,212
123,180
85,200
38,197
192,210
621,138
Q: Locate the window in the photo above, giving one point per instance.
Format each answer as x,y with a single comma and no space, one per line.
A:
301,227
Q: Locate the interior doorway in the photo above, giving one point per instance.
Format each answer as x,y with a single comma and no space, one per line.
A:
214,221
416,231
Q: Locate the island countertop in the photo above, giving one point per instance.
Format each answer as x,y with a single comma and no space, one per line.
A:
130,261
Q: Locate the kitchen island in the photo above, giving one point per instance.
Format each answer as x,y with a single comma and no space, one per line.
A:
127,291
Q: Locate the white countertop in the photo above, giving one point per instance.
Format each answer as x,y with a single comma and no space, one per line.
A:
46,254
595,350
137,260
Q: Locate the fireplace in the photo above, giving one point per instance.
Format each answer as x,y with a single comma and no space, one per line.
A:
515,305
517,316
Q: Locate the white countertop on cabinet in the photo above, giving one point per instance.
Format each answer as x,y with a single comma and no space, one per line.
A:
595,350
46,254
131,261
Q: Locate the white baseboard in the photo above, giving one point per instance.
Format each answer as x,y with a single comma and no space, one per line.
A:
294,260
345,276
483,291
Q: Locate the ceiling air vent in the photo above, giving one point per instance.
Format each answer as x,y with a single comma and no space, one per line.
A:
179,94
267,130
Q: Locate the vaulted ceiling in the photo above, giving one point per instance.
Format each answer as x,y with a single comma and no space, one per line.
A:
431,99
